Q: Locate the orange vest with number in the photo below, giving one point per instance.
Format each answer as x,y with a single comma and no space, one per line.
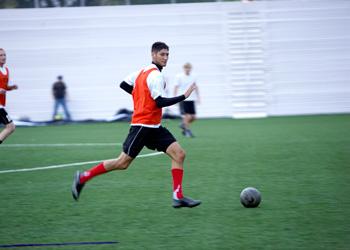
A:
146,111
4,79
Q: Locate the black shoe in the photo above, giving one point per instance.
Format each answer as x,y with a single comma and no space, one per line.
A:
77,186
185,202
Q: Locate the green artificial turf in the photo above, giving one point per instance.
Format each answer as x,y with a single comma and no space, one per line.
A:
301,165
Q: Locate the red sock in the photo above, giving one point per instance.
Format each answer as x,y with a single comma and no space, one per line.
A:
177,183
89,174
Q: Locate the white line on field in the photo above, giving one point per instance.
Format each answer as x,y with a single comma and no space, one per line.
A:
59,145
67,165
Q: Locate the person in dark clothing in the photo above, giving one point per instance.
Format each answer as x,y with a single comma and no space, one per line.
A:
59,91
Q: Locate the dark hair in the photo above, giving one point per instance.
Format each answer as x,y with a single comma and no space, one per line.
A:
59,77
157,46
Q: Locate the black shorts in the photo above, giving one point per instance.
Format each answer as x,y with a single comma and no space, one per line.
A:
4,117
187,107
153,138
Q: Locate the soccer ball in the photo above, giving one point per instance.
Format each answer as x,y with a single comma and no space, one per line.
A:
250,197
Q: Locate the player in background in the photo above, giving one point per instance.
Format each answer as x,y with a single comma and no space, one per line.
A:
146,87
187,107
4,87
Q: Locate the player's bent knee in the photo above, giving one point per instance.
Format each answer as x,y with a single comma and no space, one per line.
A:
180,155
176,152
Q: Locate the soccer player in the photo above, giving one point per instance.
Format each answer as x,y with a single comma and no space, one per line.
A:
4,87
187,107
146,87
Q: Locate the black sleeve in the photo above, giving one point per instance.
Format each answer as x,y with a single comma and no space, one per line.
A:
165,102
126,87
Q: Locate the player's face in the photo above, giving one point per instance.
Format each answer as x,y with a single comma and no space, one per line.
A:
161,57
187,70
2,57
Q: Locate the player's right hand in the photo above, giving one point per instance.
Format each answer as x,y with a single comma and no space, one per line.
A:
190,90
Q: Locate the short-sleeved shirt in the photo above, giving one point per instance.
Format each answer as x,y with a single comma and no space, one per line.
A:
155,80
148,84
183,82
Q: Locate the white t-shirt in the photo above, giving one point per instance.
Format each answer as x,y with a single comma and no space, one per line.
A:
155,81
183,82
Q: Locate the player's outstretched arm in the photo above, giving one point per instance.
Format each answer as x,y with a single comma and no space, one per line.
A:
126,87
165,102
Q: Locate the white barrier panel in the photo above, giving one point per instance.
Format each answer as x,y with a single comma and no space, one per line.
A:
252,59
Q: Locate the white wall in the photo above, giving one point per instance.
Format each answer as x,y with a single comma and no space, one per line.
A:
253,59
308,57
289,57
